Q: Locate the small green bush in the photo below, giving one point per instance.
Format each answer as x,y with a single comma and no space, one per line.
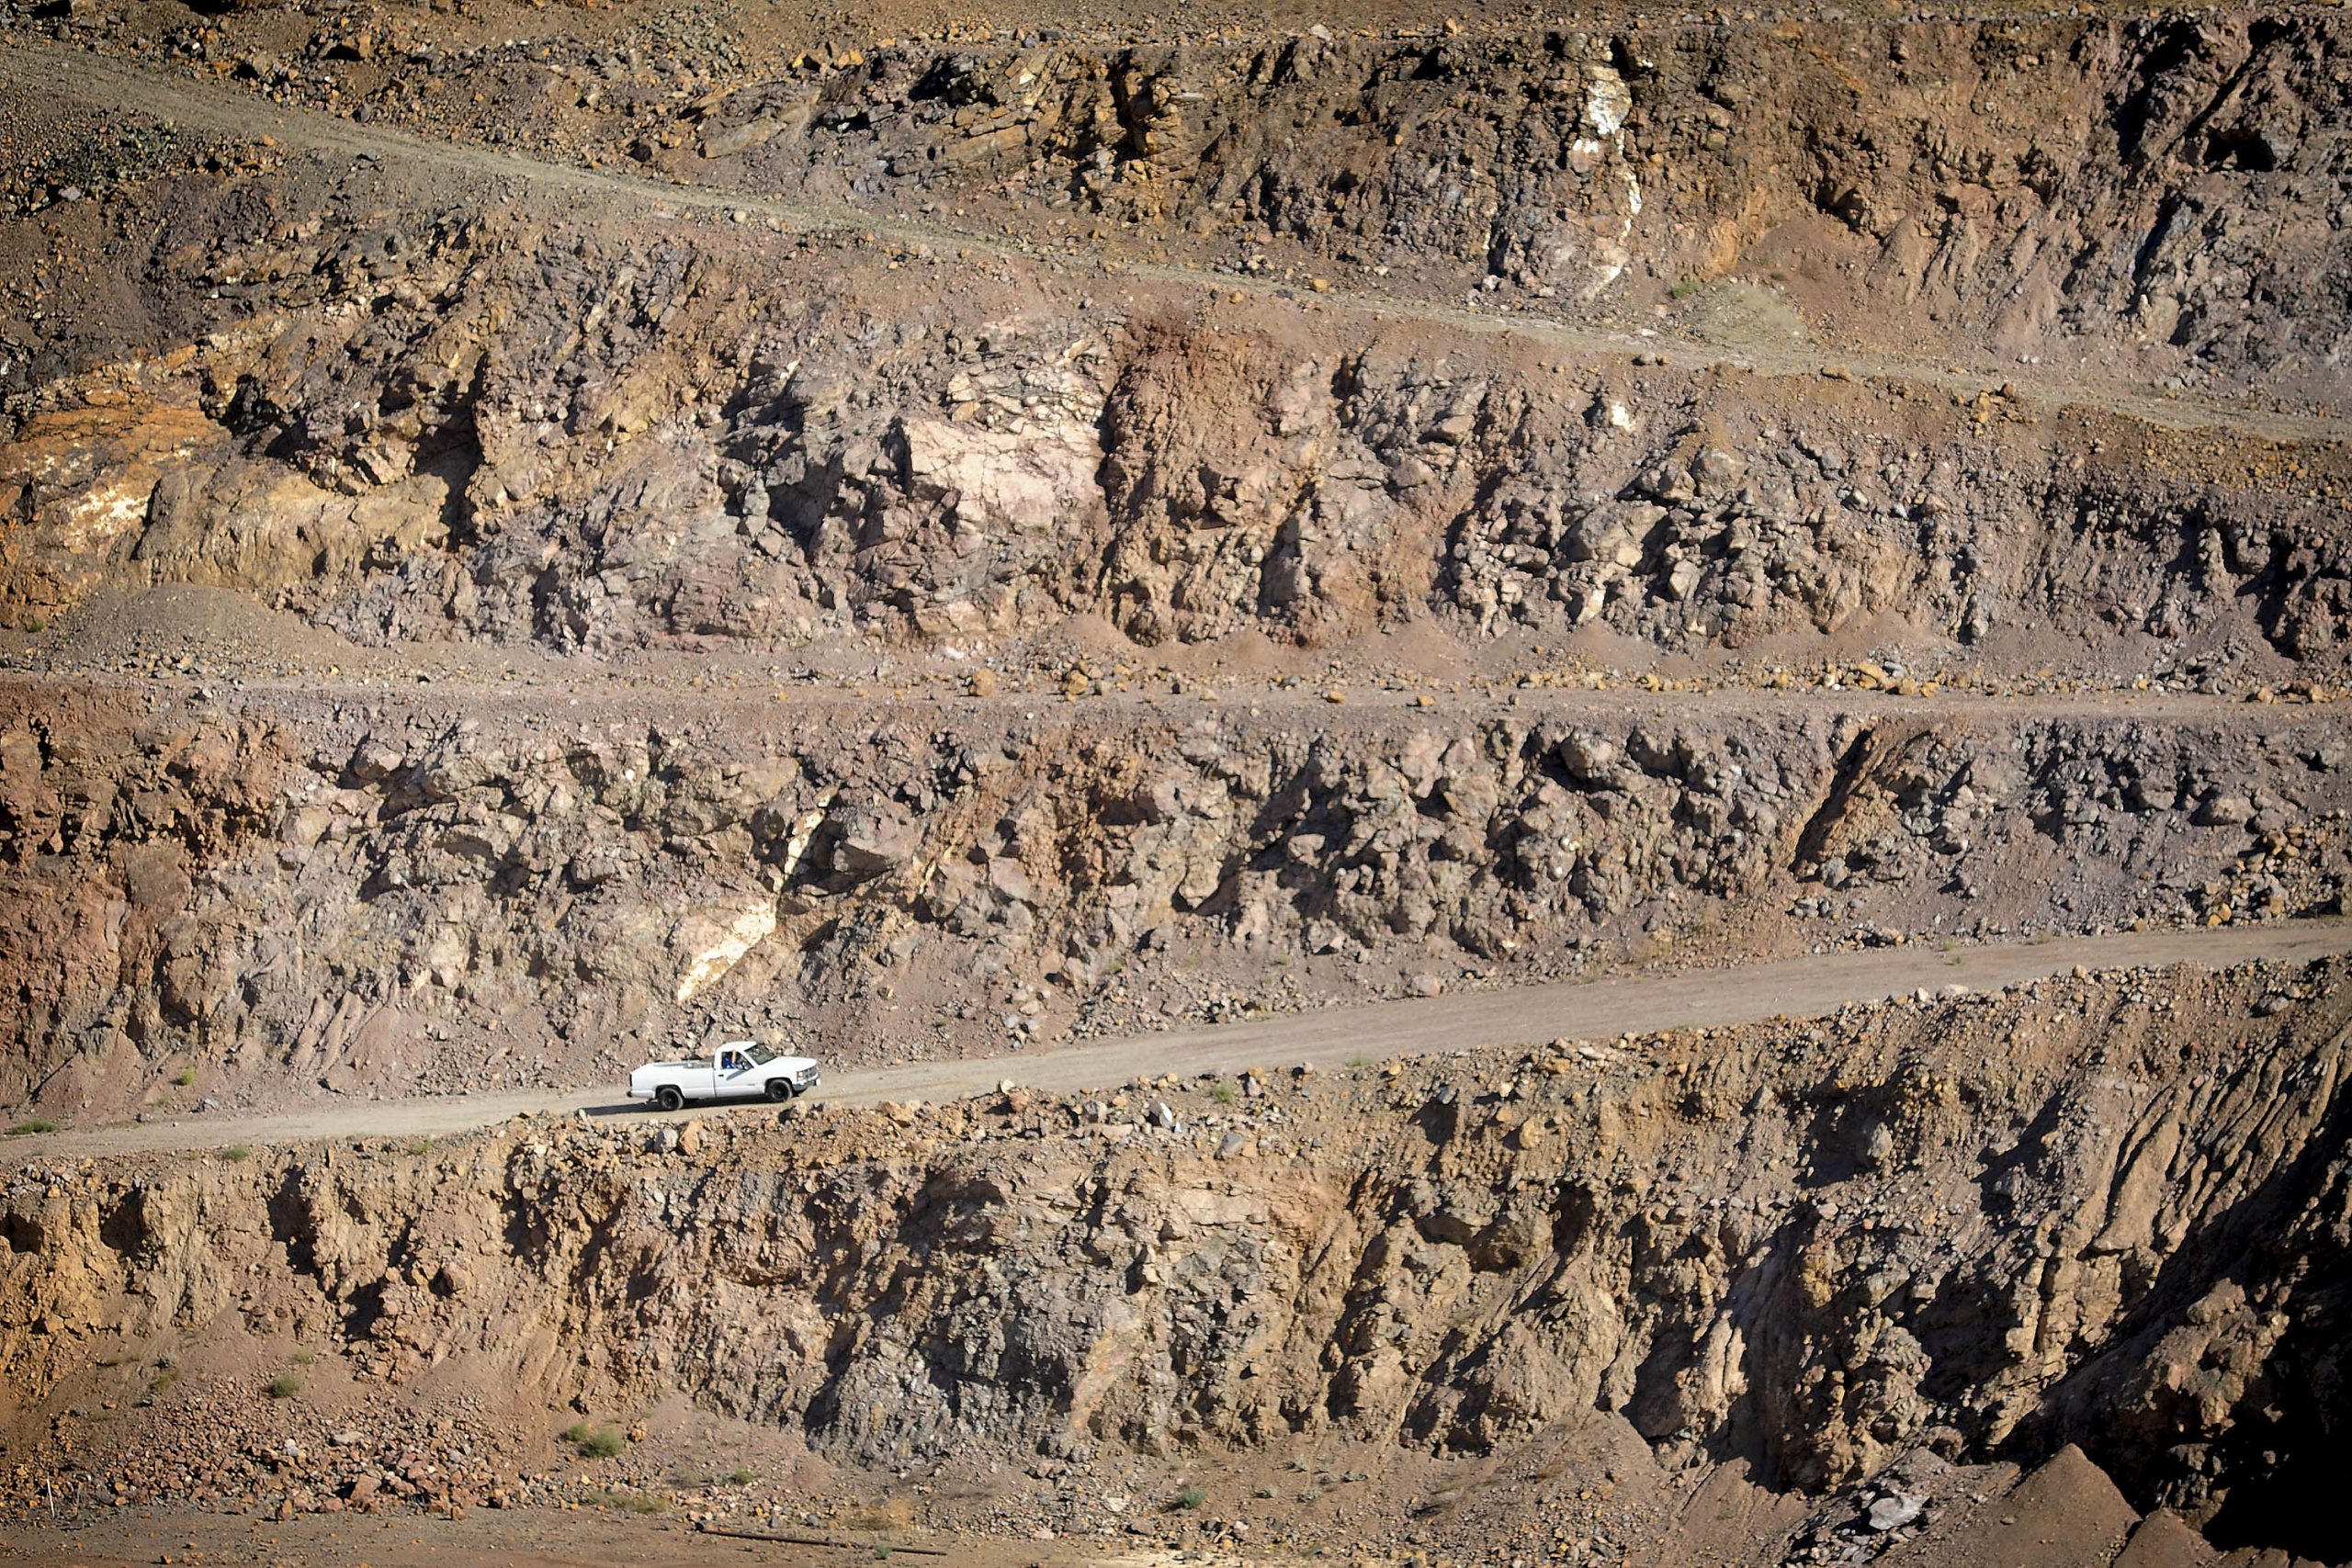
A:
1361,1059
595,1443
35,1126
1191,1498
236,1152
1222,1093
304,1358
186,1076
285,1385
741,1477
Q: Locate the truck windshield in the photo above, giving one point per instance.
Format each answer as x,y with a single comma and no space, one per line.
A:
761,1056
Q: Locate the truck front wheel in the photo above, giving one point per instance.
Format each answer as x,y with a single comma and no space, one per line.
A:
779,1089
668,1098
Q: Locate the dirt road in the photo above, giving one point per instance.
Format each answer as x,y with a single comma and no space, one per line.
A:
119,88
1587,1010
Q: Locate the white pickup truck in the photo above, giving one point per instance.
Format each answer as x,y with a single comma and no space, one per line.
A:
738,1069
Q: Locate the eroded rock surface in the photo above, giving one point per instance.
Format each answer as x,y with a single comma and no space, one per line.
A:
602,527
2104,1210
274,895
532,435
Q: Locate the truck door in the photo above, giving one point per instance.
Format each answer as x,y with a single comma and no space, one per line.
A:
732,1067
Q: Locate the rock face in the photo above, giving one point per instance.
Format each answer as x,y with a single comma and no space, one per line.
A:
605,528
594,444
580,432
1666,153
2106,1211
2150,189
273,894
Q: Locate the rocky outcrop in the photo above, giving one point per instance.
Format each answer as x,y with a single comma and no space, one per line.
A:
468,620
265,893
1976,1227
456,430
2157,188
462,428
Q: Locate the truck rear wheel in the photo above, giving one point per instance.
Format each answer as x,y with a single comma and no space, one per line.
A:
668,1098
779,1089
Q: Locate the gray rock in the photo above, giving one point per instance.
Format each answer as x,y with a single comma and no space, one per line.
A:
1894,1510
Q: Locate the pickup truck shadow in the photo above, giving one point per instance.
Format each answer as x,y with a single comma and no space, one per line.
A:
691,1108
